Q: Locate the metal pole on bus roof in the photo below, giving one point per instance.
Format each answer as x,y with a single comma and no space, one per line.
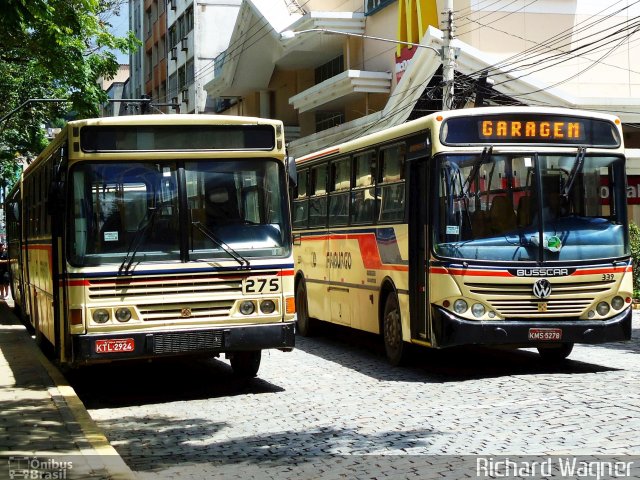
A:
448,59
32,100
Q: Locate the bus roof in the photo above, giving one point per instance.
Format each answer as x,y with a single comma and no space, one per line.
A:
172,119
422,123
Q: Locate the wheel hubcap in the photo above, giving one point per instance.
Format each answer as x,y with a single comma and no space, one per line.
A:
392,328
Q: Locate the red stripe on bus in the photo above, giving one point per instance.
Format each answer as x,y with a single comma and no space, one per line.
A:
479,273
597,271
319,155
369,252
469,273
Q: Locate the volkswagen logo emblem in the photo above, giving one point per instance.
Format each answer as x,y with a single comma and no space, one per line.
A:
185,313
542,288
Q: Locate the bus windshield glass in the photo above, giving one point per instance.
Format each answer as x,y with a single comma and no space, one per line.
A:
130,213
117,207
530,207
240,204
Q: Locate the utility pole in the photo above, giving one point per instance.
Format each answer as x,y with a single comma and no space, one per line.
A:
448,58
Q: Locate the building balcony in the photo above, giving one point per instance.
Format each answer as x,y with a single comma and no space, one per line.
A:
342,87
313,48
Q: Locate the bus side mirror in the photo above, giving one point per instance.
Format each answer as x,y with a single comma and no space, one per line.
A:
291,169
14,211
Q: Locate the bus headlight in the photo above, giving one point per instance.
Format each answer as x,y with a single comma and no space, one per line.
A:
477,309
602,308
101,315
617,302
123,314
460,306
247,307
267,306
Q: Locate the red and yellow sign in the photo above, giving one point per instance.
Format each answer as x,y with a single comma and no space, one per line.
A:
414,17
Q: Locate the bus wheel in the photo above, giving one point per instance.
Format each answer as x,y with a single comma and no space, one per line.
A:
392,331
303,326
246,364
555,354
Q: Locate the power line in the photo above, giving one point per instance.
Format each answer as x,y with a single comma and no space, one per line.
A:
548,44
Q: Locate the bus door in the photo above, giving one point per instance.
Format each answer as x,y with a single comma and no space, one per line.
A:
418,195
342,247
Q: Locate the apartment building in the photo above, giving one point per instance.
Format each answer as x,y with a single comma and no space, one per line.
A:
136,84
197,32
154,52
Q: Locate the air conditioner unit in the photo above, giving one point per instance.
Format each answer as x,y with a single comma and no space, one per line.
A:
185,43
174,53
173,4
185,94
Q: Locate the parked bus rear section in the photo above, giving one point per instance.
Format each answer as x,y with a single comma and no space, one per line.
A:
157,235
489,226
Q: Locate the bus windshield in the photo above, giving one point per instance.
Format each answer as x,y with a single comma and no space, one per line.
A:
236,205
530,207
130,213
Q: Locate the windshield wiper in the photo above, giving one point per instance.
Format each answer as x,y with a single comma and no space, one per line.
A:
243,262
138,239
575,171
484,157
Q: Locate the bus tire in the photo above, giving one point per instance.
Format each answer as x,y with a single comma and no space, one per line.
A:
392,331
555,354
304,324
246,364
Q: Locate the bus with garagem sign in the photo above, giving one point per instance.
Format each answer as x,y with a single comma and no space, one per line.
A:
157,235
479,226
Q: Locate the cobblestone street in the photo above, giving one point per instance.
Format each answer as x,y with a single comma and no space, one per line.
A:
335,404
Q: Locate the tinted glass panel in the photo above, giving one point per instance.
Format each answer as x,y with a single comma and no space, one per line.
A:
173,137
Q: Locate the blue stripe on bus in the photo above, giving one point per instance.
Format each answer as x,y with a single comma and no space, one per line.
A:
252,270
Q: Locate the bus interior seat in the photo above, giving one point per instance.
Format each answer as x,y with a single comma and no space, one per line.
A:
479,224
502,217
221,204
524,215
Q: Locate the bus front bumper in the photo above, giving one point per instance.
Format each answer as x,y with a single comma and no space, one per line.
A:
93,348
450,330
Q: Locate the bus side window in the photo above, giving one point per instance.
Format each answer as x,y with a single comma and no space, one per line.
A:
391,191
318,200
339,197
363,200
301,201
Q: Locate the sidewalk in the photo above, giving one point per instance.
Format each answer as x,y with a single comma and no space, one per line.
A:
45,430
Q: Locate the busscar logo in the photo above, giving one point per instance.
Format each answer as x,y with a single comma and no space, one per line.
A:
542,272
542,288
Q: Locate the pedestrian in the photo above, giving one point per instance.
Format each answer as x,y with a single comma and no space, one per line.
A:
4,271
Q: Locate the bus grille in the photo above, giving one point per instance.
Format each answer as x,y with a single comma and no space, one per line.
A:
179,342
116,289
188,298
517,300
